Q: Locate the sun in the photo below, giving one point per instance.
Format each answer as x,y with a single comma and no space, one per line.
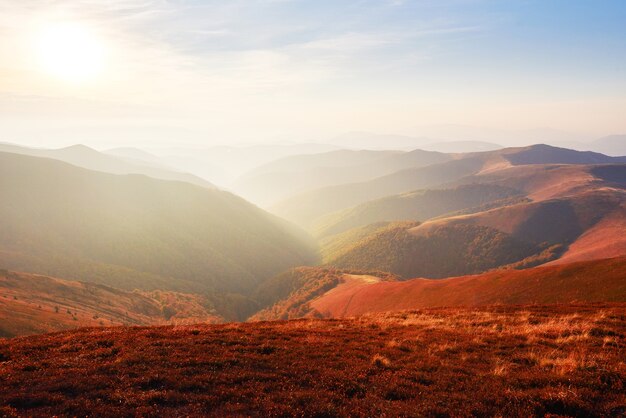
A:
70,51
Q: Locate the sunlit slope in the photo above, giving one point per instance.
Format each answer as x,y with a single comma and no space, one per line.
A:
513,361
34,304
85,157
289,294
293,175
136,232
521,235
308,207
359,293
590,281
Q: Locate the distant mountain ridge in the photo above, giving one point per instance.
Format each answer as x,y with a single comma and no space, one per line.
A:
85,157
294,175
307,208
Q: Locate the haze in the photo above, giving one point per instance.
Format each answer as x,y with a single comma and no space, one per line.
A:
201,73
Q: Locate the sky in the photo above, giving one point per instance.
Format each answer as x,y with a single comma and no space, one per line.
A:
146,72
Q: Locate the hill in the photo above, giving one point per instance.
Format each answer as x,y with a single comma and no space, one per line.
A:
559,360
293,175
288,295
85,157
450,250
34,304
137,232
222,164
308,207
419,205
585,281
521,235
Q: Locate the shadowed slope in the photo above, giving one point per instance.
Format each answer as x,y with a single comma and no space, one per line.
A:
137,232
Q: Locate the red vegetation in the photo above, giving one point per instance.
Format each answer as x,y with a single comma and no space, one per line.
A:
589,281
497,361
605,239
34,304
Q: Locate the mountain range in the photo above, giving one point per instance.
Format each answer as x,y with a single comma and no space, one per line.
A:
75,219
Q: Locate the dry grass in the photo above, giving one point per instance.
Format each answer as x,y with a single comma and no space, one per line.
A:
565,360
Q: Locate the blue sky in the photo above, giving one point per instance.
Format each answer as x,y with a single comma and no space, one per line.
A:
258,69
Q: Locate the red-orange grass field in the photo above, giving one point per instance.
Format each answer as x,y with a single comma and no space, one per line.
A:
564,360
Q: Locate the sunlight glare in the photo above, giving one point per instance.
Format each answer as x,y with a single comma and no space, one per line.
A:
70,52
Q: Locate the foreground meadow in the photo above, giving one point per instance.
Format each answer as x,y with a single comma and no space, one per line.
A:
565,360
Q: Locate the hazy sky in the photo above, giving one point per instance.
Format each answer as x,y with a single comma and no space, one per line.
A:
245,70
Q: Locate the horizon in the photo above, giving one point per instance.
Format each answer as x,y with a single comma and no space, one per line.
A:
207,73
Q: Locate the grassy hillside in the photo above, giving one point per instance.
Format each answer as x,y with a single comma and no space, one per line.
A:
556,360
137,232
450,250
586,281
335,245
34,304
287,295
293,175
521,235
305,209
418,206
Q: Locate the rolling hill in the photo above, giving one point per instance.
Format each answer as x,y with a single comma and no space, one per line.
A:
450,250
222,164
418,206
355,294
85,157
305,209
521,235
34,304
131,231
293,175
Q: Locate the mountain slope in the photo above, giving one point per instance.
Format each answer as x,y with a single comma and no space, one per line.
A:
33,304
522,235
591,281
587,281
450,250
85,157
306,208
522,361
418,206
137,232
293,175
